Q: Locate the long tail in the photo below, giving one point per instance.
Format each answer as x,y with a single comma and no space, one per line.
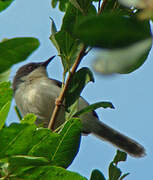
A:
116,138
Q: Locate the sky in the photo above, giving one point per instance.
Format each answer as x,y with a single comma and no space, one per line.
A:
131,94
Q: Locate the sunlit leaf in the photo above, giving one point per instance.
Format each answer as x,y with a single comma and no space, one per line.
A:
5,75
25,139
3,113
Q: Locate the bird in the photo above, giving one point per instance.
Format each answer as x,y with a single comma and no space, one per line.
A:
36,93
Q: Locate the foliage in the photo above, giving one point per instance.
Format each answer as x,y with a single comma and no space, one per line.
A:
116,28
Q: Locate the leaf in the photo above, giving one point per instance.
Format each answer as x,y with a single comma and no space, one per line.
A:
123,60
58,149
15,50
76,85
5,75
120,156
114,172
123,176
4,4
61,149
29,119
53,27
97,175
22,161
62,4
16,139
67,47
6,93
49,173
94,106
3,113
74,15
112,30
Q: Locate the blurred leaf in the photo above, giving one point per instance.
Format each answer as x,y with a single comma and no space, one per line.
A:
29,119
3,113
24,139
123,60
15,50
94,106
97,175
123,176
6,93
5,75
114,172
4,4
112,30
134,3
49,173
120,156
76,85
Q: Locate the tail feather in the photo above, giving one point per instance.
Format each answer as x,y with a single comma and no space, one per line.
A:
116,138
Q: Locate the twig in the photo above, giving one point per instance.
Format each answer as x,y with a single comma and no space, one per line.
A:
61,96
102,7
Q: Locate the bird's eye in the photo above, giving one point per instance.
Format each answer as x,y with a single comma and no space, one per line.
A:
29,67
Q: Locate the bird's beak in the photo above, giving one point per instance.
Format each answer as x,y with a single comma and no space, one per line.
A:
45,64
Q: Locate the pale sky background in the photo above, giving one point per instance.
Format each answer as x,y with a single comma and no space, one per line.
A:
131,94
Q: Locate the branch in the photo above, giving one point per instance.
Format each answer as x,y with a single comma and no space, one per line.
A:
102,7
62,94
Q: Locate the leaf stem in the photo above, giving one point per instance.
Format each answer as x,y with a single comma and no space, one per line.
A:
60,99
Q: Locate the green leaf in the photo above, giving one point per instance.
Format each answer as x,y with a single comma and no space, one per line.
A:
22,160
123,60
3,113
16,139
61,149
54,3
73,15
120,156
97,175
94,106
4,4
58,149
112,30
62,4
123,176
49,173
53,27
114,172
5,75
29,119
15,50
77,84
67,47
6,93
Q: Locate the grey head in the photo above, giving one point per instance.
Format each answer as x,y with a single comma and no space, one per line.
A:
26,70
